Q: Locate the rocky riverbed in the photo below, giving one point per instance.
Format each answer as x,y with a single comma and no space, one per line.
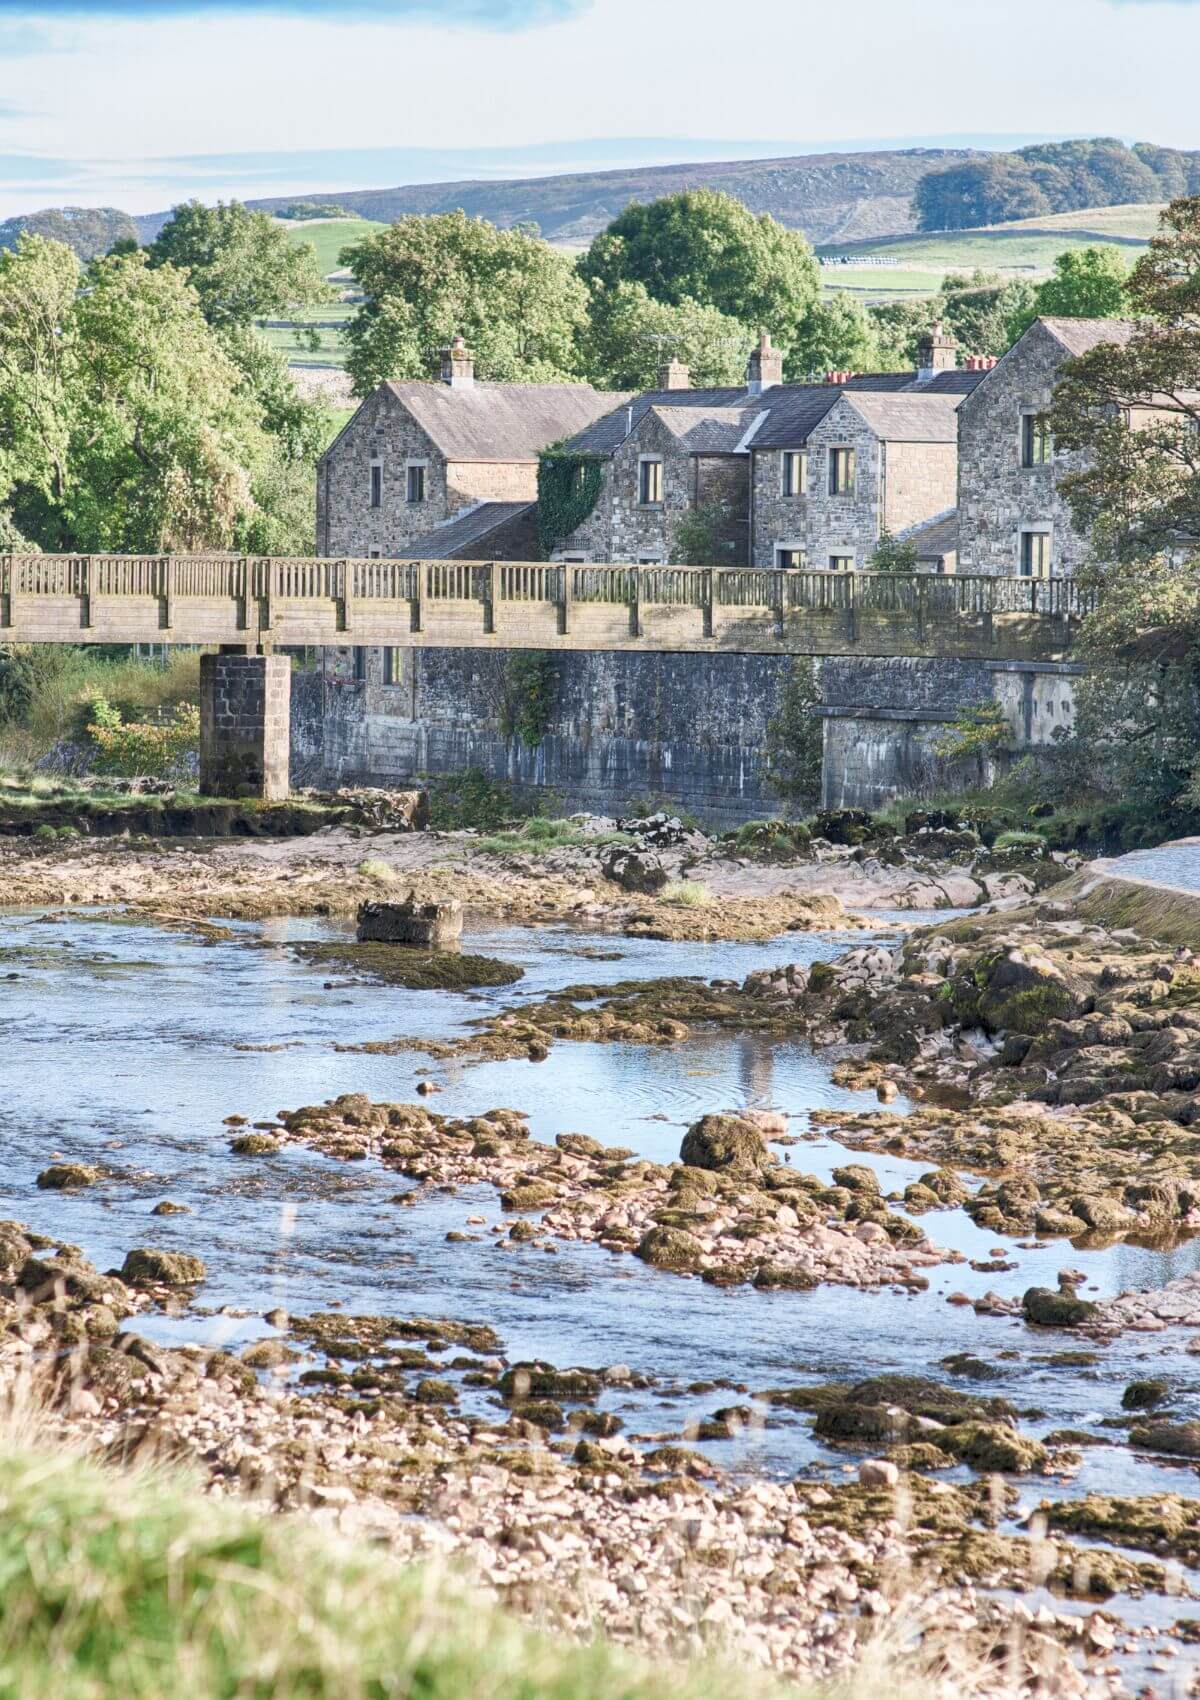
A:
807,1289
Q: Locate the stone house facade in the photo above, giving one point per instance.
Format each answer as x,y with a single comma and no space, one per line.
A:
417,455
1013,518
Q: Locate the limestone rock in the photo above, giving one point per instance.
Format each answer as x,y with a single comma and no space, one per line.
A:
725,1142
150,1266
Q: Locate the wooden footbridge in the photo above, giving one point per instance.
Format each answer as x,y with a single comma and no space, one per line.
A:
250,608
263,604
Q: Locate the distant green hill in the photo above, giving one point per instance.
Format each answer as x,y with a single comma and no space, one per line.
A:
329,236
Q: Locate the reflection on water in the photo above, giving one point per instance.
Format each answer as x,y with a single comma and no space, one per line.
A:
1175,864
120,1047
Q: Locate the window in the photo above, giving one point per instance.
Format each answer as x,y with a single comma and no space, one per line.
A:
393,666
1035,554
649,560
376,484
360,663
841,563
790,560
376,554
1036,446
415,488
650,482
841,472
795,472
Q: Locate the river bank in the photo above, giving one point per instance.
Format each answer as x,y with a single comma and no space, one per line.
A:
682,1464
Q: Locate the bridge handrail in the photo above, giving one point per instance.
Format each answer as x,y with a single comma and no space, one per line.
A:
330,579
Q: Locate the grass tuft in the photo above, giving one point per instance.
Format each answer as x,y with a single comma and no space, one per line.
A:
371,868
689,894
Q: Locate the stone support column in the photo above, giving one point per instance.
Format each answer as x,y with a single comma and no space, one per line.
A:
245,725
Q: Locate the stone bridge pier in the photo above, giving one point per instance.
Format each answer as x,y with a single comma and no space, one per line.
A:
245,723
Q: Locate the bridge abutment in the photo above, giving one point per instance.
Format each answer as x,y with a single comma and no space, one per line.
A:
245,724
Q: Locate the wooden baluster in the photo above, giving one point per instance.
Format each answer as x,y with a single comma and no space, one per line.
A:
167,586
418,601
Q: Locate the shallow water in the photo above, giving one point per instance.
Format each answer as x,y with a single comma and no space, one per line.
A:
1176,864
121,1047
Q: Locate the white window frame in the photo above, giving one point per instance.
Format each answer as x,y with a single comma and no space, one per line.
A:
644,461
375,472
791,549
836,449
801,456
1046,531
411,466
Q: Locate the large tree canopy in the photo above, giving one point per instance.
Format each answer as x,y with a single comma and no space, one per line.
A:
242,264
1087,283
519,303
630,335
1131,409
126,424
708,248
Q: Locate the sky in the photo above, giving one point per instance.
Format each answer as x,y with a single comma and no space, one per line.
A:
140,103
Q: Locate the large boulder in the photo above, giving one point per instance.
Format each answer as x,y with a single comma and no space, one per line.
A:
1022,990
148,1266
1051,1309
634,870
725,1142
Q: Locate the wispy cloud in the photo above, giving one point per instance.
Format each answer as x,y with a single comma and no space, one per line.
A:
480,14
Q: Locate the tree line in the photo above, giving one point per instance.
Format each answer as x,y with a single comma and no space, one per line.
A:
1052,177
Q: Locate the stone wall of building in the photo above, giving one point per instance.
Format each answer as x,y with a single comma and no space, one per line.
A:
919,481
469,481
347,524
723,482
779,521
998,498
849,524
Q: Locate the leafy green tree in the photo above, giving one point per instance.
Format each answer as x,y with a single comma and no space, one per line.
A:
977,308
837,335
1129,409
707,247
241,264
630,335
1087,283
39,281
706,536
893,555
519,303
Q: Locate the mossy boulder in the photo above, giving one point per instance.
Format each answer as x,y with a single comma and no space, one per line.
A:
523,1382
670,1248
992,1446
858,1178
66,1177
1145,1395
725,1143
779,1277
1022,990
1178,1440
254,1144
149,1266
1050,1309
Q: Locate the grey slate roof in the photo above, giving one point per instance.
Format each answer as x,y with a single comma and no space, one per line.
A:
444,542
609,432
934,537
908,418
1079,336
716,430
790,410
500,422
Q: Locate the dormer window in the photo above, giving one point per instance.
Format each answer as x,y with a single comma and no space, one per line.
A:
841,472
1037,447
650,481
795,472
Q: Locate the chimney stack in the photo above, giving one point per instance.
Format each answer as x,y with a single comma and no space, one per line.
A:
766,367
937,352
979,362
458,367
839,377
674,376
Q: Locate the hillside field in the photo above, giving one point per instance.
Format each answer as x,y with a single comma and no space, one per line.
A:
329,236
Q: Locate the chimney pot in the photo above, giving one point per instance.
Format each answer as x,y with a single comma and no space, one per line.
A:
458,365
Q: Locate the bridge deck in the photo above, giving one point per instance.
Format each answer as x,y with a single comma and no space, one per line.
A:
225,599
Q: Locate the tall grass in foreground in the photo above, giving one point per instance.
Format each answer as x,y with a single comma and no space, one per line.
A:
134,1585
46,690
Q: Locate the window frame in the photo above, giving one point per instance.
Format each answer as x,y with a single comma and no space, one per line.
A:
645,462
1035,437
801,565
1045,534
393,666
419,468
797,458
852,559
842,454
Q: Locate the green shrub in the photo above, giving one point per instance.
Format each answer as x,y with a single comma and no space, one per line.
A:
152,748
1020,841
472,800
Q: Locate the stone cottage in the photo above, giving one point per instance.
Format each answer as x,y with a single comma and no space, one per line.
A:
418,455
745,454
1012,517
